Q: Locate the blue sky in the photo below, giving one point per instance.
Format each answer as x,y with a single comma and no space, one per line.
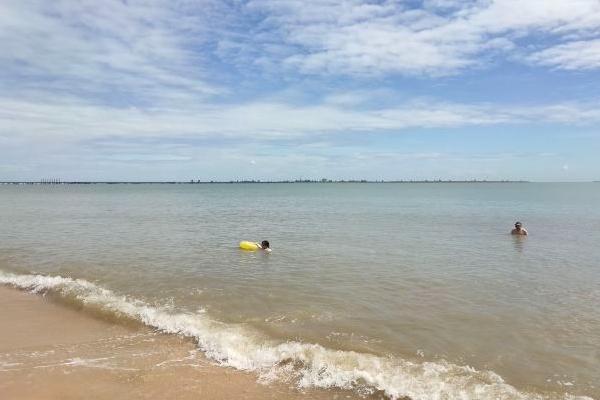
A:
280,89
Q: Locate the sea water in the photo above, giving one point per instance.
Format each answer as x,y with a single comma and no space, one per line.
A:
409,289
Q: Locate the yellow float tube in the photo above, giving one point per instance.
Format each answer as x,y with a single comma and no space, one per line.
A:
250,246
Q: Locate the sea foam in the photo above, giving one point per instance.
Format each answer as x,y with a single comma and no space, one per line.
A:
309,365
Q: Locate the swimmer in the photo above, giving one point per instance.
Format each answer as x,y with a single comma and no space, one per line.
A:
519,230
264,245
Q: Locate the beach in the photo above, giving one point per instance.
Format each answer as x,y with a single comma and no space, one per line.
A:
285,199
49,351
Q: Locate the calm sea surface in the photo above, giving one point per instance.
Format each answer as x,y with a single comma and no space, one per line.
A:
401,286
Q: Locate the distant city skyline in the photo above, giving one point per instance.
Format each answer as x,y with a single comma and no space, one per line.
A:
286,89
194,181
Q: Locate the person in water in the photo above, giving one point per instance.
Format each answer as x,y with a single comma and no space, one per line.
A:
519,230
265,246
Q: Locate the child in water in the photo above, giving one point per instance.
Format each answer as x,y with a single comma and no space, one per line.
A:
265,246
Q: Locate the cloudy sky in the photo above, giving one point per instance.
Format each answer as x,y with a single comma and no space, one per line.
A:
278,89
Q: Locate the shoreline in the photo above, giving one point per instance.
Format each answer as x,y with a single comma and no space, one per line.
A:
142,352
50,351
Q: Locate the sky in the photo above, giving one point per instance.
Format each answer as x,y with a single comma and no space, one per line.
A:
300,89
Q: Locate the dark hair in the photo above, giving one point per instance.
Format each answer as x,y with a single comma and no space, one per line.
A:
264,244
518,223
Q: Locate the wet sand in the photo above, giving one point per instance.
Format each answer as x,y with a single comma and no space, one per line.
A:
50,351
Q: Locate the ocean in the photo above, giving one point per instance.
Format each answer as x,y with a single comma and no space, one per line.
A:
408,289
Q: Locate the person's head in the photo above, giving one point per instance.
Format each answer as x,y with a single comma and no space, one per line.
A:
518,225
264,244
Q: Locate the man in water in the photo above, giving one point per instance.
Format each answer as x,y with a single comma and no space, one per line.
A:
265,246
518,229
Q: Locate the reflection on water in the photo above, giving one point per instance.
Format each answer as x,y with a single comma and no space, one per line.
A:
519,242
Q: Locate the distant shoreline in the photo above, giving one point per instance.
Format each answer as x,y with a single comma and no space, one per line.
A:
57,182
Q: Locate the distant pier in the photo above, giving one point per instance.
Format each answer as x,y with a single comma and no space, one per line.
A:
50,181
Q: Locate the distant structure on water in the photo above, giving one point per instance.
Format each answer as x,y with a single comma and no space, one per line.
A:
56,181
50,181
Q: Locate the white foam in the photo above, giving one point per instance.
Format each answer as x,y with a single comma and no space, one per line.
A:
310,365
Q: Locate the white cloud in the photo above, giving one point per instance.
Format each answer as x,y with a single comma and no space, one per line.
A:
444,37
76,73
578,55
139,51
137,69
266,120
159,51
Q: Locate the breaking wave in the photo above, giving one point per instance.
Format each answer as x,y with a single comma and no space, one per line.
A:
308,365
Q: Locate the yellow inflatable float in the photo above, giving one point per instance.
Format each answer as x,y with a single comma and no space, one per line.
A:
250,246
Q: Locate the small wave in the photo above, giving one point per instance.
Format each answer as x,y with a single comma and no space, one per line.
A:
309,365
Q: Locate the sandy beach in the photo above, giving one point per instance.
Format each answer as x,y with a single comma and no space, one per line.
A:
50,351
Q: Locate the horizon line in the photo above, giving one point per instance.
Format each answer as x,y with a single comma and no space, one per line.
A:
259,181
